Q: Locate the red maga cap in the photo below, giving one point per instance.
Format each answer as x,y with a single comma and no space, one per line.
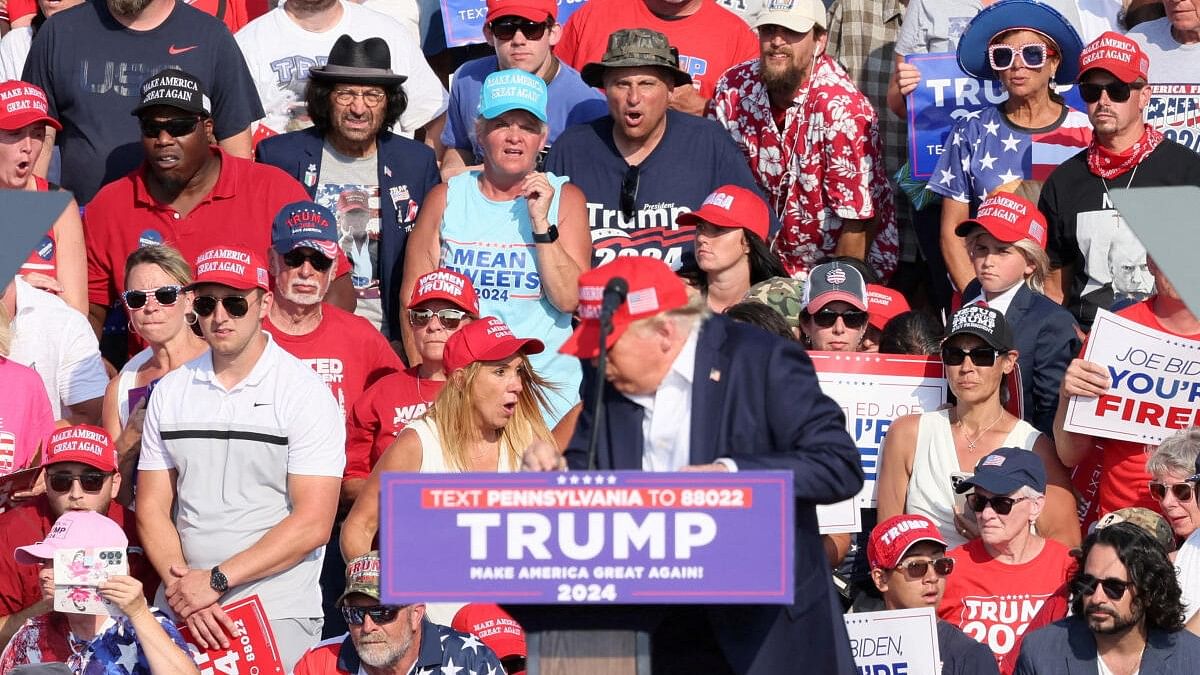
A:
494,626
653,288
534,10
22,104
488,339
448,285
731,206
85,444
1007,217
884,304
1118,55
231,266
892,538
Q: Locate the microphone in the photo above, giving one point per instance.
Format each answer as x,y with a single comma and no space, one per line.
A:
614,294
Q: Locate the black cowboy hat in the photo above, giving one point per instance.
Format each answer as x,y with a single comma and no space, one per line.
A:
366,62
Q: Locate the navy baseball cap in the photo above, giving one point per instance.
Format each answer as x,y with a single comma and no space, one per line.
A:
305,224
1007,470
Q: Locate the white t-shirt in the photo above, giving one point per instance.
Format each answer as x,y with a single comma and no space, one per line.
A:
405,11
58,342
1098,16
14,48
279,54
1170,62
234,450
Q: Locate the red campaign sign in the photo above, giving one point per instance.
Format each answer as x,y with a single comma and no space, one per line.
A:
252,651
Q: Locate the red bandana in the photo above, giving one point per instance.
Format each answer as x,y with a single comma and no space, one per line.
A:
1108,164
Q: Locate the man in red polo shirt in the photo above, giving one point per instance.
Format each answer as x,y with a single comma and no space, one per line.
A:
187,193
81,475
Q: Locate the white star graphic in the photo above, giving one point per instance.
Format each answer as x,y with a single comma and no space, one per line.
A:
992,127
471,642
587,480
1009,176
955,139
987,161
966,164
1010,143
450,668
491,670
574,480
562,480
612,480
947,177
129,654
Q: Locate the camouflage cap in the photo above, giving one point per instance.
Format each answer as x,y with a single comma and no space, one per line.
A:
1148,520
636,48
781,294
362,576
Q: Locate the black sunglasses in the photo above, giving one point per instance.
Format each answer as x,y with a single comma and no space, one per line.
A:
296,257
916,569
450,318
1001,505
513,664
1182,491
506,28
235,305
629,190
380,614
165,296
1086,584
175,127
90,481
981,356
1118,92
853,319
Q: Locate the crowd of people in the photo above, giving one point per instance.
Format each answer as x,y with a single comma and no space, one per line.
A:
308,245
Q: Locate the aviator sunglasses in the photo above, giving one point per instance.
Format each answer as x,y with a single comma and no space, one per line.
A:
165,296
450,318
380,614
1033,55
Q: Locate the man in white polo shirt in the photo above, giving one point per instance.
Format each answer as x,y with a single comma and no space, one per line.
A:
241,464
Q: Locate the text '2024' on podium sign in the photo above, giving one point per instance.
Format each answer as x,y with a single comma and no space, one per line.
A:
621,537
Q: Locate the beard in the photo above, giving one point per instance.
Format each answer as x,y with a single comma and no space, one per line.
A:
306,299
782,81
1120,624
383,654
127,8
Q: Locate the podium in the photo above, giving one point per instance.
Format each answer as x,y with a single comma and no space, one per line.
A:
588,562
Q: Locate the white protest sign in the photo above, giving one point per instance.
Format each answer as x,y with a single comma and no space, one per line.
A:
1155,389
895,642
873,390
839,518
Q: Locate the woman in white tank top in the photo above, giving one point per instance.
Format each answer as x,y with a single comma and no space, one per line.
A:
921,452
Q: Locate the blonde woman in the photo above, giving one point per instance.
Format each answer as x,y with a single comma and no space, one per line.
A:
488,412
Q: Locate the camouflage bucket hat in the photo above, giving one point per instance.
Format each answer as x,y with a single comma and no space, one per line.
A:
781,294
636,48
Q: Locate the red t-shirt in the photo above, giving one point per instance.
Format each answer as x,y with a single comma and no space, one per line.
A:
239,210
235,15
381,413
1113,475
710,41
29,524
993,602
345,351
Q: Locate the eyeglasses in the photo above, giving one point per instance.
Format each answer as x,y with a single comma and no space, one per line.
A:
450,318
371,97
984,357
1181,491
1033,55
90,481
1118,92
175,127
296,258
1086,584
1001,505
916,569
506,28
629,190
380,614
235,306
165,296
852,319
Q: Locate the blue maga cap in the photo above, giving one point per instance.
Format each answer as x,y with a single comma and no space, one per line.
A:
512,89
1006,470
305,224
1018,15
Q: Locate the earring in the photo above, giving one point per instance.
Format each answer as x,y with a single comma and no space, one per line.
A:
191,318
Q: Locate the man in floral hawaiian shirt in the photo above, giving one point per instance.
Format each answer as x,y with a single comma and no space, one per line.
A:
812,141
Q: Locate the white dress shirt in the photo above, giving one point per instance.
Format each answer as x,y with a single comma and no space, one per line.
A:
666,426
1000,303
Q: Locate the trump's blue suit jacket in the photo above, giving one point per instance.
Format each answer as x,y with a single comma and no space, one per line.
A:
755,400
1067,647
407,170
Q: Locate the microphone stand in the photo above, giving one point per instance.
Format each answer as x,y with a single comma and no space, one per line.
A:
598,409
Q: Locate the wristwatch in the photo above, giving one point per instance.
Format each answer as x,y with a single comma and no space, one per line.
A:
549,237
218,580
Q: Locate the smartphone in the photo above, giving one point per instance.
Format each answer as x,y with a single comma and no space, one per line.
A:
78,573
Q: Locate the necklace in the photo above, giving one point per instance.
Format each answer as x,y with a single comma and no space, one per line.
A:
1108,194
971,442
